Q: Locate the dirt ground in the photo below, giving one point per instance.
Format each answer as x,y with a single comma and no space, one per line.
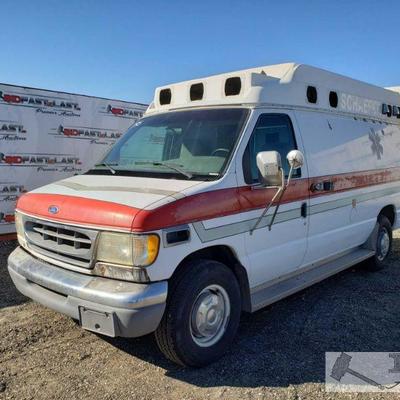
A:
279,352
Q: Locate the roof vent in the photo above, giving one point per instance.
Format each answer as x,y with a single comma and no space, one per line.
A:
312,95
396,111
196,91
165,96
233,86
333,99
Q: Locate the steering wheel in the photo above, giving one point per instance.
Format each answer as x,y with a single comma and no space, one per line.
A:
219,150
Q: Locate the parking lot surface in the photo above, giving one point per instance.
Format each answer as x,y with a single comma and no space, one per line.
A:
279,352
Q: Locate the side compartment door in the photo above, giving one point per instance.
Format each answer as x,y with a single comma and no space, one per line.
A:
339,154
281,250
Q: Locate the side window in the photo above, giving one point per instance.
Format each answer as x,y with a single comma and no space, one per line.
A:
272,132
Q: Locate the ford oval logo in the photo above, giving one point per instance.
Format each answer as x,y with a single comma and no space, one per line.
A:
53,209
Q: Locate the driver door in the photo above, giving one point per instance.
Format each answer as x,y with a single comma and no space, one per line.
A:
281,250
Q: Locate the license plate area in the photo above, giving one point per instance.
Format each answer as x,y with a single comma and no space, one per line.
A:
97,321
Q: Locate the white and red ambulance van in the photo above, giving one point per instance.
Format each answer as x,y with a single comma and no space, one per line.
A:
232,192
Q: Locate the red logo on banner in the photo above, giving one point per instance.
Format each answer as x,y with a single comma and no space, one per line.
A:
12,159
7,218
10,98
117,111
37,101
70,132
124,111
39,159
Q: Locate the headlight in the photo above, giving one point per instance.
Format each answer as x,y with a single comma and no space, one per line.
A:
127,249
19,226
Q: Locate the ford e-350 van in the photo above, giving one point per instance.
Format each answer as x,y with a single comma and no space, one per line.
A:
232,192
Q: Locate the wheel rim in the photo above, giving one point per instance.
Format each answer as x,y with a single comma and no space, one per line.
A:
210,315
383,244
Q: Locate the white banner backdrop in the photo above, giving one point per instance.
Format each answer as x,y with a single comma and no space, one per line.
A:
46,136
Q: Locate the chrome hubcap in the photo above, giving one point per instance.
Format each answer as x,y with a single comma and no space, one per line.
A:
383,244
210,315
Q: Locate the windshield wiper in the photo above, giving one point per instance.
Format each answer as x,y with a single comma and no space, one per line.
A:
106,165
175,167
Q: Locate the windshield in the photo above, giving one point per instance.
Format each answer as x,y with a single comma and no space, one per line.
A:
185,144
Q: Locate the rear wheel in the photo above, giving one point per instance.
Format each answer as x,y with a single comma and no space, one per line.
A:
202,314
383,245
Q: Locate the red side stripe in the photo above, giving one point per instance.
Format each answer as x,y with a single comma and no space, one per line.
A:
357,180
193,208
224,202
190,209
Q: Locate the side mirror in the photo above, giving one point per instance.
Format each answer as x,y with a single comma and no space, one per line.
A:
270,166
295,159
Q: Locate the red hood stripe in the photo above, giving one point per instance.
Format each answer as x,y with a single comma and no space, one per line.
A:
78,210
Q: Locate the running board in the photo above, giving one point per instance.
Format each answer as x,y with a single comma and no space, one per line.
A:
278,291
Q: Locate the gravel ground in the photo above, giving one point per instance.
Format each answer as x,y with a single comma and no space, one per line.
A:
278,353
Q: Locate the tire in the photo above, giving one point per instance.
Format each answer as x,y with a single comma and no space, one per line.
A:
210,288
383,245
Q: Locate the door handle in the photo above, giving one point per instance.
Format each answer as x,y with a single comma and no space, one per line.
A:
303,210
325,186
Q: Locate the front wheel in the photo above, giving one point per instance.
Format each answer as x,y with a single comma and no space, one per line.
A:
383,245
202,314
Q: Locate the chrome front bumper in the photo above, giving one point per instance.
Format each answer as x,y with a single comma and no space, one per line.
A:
106,306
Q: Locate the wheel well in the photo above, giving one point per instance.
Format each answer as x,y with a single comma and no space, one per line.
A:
390,213
226,256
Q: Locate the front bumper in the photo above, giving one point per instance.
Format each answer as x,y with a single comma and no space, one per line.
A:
106,306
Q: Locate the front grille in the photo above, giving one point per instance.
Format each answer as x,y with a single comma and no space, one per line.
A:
62,242
62,236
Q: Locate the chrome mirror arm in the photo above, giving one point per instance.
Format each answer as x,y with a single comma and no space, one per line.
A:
278,195
280,198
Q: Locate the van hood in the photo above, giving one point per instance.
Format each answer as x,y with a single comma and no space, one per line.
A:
102,201
137,192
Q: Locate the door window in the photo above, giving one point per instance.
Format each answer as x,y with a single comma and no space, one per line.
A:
272,132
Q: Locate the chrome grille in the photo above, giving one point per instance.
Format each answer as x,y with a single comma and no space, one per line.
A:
62,242
63,236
